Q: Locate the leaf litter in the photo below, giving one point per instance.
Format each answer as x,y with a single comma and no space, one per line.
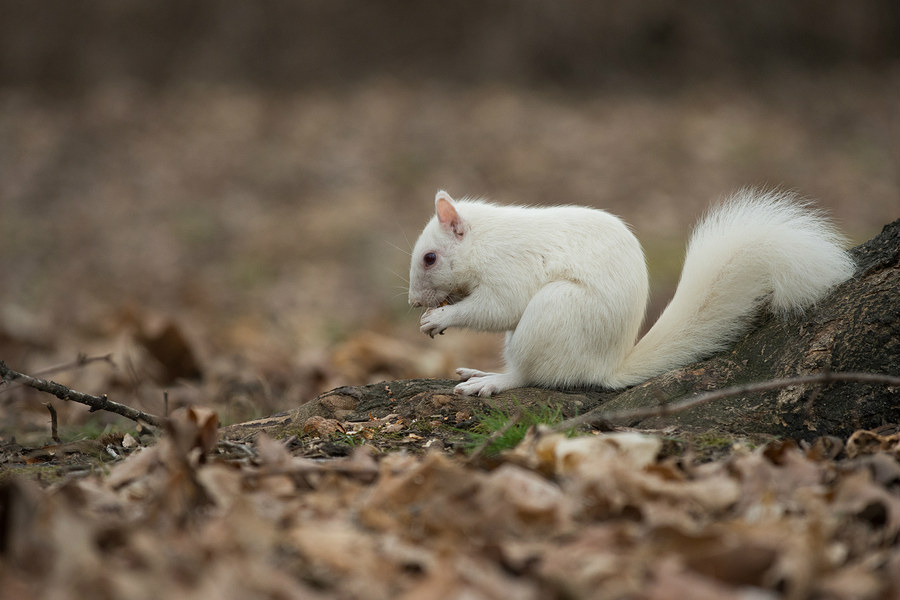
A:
193,516
595,516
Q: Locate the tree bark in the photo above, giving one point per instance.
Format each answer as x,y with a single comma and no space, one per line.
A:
856,328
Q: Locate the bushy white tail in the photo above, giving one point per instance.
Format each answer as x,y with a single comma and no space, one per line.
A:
755,246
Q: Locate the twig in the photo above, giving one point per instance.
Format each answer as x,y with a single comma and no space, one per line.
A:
748,388
479,450
80,361
54,423
236,446
63,393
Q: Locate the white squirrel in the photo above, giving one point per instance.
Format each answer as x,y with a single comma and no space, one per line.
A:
569,285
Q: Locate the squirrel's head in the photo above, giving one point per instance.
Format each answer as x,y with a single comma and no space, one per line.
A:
432,280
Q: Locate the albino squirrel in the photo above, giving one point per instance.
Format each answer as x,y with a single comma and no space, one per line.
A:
569,285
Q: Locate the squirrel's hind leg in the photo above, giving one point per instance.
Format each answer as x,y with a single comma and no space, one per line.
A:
572,335
569,335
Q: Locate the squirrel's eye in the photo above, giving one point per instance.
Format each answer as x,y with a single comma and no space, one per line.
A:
430,258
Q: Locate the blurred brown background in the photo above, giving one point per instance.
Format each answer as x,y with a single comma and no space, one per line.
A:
251,174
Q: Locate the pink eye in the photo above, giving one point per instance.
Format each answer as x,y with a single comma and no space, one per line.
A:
430,259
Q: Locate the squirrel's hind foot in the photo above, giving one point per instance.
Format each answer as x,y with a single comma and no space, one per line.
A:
479,383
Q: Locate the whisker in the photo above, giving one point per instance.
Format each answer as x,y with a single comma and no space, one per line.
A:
396,274
408,245
398,248
402,231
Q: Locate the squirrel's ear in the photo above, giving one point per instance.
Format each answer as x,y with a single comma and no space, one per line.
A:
447,215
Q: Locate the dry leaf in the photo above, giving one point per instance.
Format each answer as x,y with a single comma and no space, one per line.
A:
523,500
321,427
193,427
869,442
599,453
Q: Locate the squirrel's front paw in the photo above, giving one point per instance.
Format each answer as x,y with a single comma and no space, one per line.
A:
435,321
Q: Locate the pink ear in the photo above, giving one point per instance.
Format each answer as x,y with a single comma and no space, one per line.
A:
447,215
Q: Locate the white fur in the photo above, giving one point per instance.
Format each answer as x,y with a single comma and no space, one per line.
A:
569,285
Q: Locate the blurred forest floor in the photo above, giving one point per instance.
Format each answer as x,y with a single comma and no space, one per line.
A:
207,206
245,248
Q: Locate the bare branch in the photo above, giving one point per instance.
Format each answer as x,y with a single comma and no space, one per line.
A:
80,361
598,416
54,422
63,393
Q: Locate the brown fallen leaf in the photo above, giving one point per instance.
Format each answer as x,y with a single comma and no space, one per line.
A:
869,442
671,580
193,427
271,453
858,496
435,496
599,562
321,427
520,501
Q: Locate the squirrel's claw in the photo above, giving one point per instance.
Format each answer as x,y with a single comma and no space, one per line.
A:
434,322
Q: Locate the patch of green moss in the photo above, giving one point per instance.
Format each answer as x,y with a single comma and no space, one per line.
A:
345,439
287,432
494,427
712,439
47,473
422,427
94,430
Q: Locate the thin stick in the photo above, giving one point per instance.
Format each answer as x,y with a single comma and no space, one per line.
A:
63,393
54,424
80,361
748,388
